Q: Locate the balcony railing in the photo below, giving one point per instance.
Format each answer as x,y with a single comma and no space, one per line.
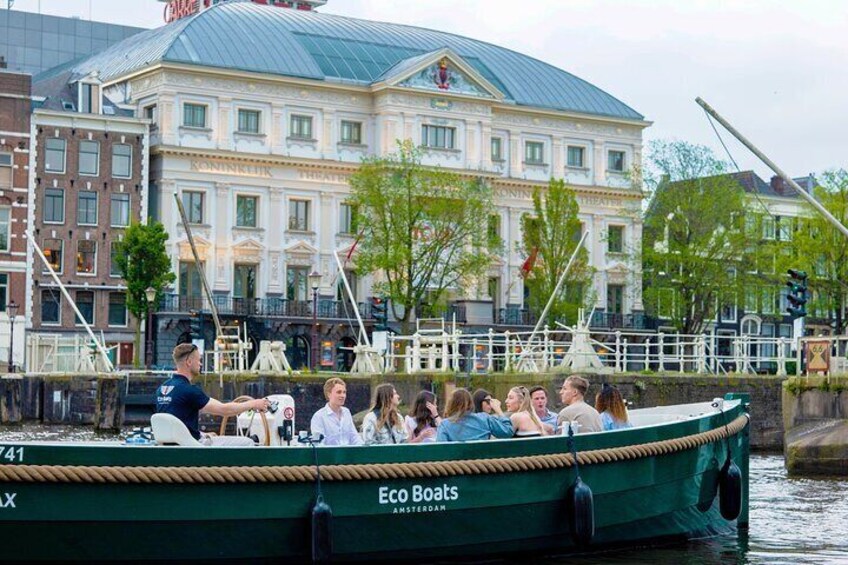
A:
269,307
515,317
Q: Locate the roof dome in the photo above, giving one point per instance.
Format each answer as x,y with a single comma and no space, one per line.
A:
252,37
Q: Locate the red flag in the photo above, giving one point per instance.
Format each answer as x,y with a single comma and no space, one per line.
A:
353,247
529,262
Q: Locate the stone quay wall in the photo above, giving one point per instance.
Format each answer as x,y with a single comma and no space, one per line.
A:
107,401
815,418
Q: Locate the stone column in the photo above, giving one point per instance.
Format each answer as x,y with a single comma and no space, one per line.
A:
224,132
600,165
221,235
557,161
328,136
169,119
515,154
278,129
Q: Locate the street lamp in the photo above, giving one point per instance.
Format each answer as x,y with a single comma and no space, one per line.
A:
12,310
314,282
150,294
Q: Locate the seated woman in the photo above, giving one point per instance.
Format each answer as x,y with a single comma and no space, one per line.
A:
482,401
423,419
382,424
611,407
462,424
524,420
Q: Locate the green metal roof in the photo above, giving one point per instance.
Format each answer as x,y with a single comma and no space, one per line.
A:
252,37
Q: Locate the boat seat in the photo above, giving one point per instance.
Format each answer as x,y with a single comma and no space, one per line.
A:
170,430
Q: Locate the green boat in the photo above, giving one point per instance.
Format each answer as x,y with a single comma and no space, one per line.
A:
670,477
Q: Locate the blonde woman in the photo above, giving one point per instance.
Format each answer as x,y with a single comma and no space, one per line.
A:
383,425
524,420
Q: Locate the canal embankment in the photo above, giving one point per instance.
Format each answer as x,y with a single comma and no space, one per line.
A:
815,415
110,401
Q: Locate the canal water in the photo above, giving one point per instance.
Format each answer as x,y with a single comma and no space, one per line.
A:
792,520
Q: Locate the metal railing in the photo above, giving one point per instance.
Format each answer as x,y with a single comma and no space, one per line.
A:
271,307
607,351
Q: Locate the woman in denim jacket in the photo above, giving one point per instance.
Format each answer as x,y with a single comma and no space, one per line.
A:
462,424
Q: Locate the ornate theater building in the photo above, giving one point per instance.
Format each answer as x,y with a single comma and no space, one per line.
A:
259,115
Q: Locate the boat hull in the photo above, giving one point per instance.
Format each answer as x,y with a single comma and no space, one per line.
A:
671,496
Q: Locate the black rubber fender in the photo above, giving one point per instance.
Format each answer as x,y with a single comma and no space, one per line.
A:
322,535
581,512
730,490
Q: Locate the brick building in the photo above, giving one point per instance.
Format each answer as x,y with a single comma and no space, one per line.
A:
15,109
89,183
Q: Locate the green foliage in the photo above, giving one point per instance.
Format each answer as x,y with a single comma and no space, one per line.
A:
696,254
553,231
143,262
425,229
821,250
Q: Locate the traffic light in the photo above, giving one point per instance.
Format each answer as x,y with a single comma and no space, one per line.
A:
379,313
797,296
195,323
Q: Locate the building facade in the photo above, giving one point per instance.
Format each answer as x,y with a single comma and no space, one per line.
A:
15,109
260,148
89,183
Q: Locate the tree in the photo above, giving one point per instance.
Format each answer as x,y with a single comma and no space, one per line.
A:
143,263
695,252
821,249
548,240
425,229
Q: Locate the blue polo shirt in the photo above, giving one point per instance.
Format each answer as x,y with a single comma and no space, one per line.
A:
177,396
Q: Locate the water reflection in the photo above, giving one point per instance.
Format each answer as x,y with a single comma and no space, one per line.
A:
792,520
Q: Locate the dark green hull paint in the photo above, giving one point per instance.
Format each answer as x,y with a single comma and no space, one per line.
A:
667,497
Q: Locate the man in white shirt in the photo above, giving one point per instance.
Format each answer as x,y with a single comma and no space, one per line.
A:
334,421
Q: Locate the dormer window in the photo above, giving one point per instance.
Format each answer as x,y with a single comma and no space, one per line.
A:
89,98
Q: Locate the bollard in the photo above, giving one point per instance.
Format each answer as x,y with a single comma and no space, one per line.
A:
10,399
109,404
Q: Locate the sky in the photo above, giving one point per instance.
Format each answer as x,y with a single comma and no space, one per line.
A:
776,69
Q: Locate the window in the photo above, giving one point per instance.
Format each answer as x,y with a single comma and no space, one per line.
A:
494,227
248,121
5,171
301,127
750,299
54,253
784,228
194,115
86,257
89,158
85,305
120,217
348,219
51,306
151,113
615,161
576,156
770,300
246,211
244,283
4,287
728,310
87,98
497,149
114,253
54,206
615,239
351,132
54,155
615,299
297,283
439,137
534,153
87,208
193,204
5,228
299,215
768,227
117,309
189,284
122,161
